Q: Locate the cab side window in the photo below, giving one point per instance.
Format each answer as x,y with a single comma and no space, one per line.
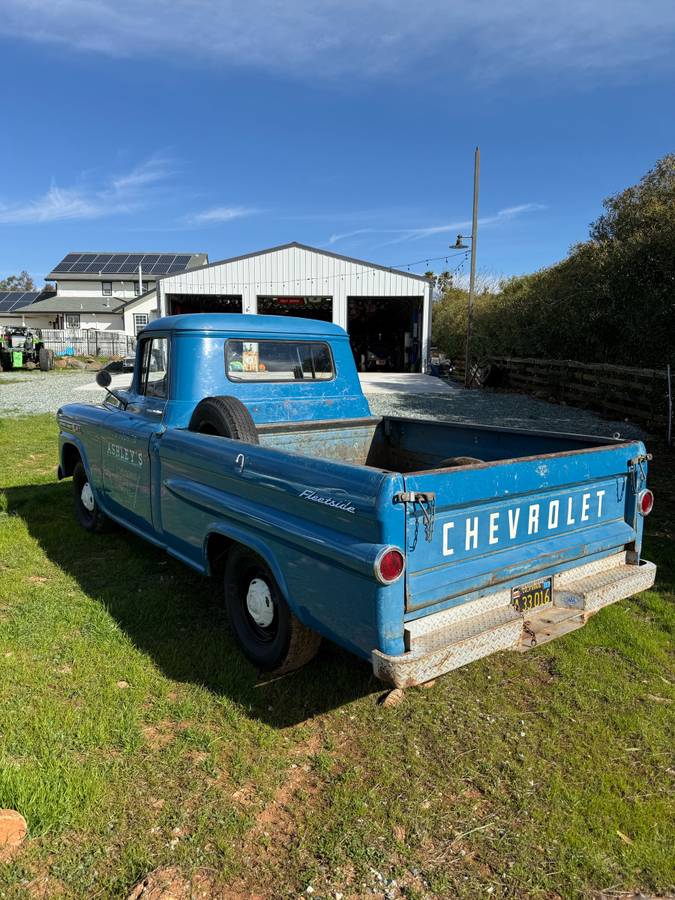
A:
153,378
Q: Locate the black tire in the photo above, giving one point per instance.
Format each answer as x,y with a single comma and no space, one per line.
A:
279,644
46,359
454,462
87,511
225,417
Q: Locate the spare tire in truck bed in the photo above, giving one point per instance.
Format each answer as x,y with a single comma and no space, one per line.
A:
225,417
453,462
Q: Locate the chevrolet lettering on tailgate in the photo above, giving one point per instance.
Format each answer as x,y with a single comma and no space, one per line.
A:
498,527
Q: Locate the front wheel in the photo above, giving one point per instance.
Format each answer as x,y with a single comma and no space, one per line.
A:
266,630
87,510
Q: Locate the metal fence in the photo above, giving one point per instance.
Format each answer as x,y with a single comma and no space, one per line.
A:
87,342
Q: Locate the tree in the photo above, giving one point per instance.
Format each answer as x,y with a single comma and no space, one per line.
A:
21,282
612,299
440,282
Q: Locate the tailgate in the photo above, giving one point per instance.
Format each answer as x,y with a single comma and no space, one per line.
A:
512,520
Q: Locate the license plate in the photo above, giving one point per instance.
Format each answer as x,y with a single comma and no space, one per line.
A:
531,595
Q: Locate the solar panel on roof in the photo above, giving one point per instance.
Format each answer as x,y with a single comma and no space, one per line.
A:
167,261
123,263
13,300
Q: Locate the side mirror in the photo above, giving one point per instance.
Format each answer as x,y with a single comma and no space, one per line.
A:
104,380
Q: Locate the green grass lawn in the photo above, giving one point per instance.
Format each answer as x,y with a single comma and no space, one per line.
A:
133,737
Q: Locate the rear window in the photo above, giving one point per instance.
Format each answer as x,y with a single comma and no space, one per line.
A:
278,361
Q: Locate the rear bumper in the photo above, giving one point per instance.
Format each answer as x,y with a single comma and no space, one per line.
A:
457,636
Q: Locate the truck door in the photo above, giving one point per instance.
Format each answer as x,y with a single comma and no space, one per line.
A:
126,450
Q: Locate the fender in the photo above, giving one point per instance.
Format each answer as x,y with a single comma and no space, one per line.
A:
255,543
68,439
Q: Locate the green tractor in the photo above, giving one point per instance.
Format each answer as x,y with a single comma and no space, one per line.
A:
20,348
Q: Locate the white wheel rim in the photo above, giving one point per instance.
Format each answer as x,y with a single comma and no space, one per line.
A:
87,497
259,603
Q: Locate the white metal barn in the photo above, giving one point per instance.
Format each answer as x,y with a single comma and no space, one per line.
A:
387,312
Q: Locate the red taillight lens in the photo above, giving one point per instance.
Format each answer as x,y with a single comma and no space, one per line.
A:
646,502
389,565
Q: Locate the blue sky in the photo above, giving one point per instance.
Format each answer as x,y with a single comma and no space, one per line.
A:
224,127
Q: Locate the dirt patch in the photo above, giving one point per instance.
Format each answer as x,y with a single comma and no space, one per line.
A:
162,733
170,883
275,826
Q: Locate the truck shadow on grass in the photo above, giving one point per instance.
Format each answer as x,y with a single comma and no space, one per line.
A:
176,616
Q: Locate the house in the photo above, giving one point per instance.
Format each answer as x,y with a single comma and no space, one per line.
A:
92,290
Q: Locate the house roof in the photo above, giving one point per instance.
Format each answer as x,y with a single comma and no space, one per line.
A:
299,246
11,301
60,304
88,265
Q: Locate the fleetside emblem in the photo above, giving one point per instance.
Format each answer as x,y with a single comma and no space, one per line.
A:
344,505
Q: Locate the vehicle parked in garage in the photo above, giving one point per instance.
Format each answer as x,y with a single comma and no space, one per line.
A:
21,348
246,448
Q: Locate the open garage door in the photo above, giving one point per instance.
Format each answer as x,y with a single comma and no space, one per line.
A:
386,333
308,307
194,303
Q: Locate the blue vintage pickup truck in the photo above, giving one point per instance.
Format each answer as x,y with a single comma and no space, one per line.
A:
246,448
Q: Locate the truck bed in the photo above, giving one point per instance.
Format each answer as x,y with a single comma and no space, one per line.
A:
413,445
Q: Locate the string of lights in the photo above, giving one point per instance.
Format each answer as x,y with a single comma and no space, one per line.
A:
200,277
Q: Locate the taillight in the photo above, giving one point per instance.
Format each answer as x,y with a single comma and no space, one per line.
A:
645,502
389,565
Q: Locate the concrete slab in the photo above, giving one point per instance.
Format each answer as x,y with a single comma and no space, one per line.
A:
402,383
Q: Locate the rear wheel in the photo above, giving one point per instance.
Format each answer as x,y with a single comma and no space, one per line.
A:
87,511
266,630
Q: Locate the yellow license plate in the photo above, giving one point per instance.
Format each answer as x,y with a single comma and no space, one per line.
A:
532,595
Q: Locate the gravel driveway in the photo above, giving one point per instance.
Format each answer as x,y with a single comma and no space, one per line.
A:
25,393
28,393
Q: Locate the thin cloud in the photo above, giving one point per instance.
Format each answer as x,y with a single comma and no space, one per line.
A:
381,38
220,214
402,235
118,194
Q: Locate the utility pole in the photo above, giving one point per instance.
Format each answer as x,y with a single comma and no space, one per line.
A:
472,278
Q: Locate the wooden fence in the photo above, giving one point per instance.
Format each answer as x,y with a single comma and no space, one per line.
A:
641,395
87,342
